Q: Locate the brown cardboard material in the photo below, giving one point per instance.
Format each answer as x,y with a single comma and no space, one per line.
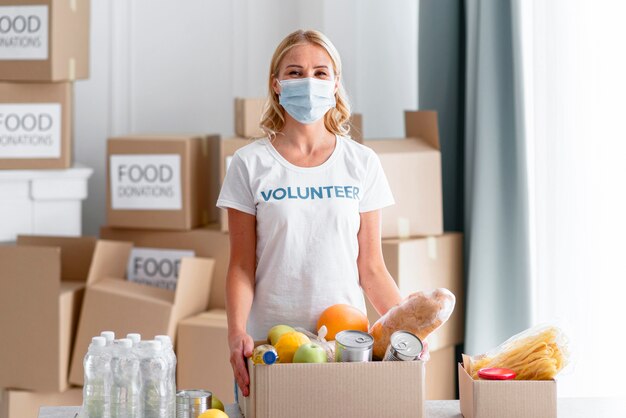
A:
227,150
112,303
162,182
42,282
204,356
45,112
429,263
248,113
24,404
413,169
67,37
356,127
207,241
371,389
507,398
441,374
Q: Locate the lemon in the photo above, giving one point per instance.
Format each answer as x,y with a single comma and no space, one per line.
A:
288,344
213,413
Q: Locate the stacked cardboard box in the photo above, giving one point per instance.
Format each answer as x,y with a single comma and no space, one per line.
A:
44,48
417,252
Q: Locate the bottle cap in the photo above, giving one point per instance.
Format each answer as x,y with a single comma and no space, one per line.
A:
134,337
152,344
109,335
165,339
98,341
269,357
124,342
496,373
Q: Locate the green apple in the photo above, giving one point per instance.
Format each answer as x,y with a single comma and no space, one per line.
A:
277,331
216,403
310,353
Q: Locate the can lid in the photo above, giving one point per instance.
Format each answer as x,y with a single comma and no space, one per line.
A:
496,373
193,396
269,357
355,339
406,345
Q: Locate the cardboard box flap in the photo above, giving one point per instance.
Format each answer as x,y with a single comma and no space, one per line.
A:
76,253
109,260
422,124
192,288
136,290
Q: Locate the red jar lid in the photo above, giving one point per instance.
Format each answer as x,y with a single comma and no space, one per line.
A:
496,373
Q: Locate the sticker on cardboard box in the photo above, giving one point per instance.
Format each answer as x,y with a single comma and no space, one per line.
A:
24,32
145,182
30,130
156,267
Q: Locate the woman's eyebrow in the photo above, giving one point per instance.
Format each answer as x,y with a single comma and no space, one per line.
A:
294,65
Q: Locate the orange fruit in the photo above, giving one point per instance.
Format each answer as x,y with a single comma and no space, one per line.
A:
342,317
288,344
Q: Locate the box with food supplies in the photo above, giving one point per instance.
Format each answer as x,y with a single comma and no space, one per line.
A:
515,380
348,368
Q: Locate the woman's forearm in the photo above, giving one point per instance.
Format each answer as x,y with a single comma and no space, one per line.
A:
380,288
239,295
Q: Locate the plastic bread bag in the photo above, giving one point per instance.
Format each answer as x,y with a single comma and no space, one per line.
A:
538,353
319,339
420,313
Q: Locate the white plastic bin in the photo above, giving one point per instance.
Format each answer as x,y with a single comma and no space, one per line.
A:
44,202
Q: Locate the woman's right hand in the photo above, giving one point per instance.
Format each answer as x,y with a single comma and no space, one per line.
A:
241,345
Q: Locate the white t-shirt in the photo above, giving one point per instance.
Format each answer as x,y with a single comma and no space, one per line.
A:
307,221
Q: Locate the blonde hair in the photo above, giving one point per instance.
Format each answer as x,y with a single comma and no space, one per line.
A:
336,119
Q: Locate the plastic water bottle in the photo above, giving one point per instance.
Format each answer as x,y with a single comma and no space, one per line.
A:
170,356
96,389
154,379
109,336
126,384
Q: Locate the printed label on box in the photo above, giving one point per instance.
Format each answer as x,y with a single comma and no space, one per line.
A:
24,32
156,267
145,182
30,130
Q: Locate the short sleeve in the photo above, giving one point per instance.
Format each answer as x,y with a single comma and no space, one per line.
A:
376,193
236,192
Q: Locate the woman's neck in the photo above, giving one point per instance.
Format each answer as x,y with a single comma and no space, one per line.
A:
306,138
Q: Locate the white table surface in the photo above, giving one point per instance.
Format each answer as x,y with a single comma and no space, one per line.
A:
567,408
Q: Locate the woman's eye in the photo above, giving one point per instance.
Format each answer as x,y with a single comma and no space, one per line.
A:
321,74
294,72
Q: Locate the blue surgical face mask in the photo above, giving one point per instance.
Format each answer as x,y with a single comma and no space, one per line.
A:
307,99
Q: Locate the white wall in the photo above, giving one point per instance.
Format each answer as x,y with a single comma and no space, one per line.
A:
175,66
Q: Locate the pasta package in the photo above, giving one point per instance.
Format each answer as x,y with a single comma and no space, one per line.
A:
539,353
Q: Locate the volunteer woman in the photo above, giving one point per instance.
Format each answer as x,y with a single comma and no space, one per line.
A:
304,206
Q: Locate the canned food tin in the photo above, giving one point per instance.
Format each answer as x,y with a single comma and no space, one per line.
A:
192,403
403,346
353,346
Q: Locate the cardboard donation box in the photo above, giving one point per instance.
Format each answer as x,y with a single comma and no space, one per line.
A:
35,125
24,404
429,263
42,282
116,304
42,202
506,398
413,169
161,182
248,113
207,242
44,40
227,150
204,356
370,389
